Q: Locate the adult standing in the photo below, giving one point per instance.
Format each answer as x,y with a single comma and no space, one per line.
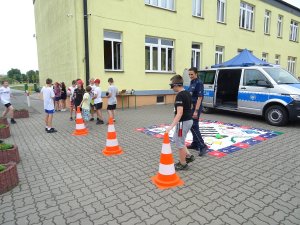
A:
196,89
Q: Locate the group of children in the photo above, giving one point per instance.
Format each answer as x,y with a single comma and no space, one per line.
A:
5,95
89,100
60,96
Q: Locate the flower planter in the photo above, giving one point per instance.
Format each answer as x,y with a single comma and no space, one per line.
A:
3,120
21,114
4,132
9,177
8,155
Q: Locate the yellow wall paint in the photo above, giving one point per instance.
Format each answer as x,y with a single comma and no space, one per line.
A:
61,53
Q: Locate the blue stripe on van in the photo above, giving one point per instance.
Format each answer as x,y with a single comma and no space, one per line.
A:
259,97
209,93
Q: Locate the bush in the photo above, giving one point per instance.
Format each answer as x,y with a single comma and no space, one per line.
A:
4,146
2,168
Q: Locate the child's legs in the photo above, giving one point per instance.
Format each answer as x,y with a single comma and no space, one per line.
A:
11,111
99,111
50,120
5,112
46,119
110,114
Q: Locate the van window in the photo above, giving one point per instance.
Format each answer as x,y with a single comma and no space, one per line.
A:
207,77
281,76
251,77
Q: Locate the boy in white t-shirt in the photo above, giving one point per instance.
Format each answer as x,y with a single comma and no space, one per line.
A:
48,96
112,98
98,101
5,95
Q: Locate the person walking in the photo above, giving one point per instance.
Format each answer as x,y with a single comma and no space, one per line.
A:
112,99
182,120
196,89
5,95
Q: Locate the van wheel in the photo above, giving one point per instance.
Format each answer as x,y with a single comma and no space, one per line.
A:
207,110
276,115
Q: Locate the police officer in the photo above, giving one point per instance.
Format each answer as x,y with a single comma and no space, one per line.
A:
196,89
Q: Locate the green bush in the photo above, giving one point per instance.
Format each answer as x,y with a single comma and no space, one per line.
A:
2,168
2,125
4,146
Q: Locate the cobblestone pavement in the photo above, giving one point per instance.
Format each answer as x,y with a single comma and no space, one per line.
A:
66,179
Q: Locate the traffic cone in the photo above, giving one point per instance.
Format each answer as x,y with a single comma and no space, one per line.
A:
80,129
166,176
112,145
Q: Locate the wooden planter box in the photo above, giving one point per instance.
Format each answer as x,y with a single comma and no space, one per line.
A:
9,178
4,132
3,120
21,114
10,155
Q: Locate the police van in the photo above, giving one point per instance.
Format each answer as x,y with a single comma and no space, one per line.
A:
269,91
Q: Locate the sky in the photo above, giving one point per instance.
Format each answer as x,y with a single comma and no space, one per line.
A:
17,29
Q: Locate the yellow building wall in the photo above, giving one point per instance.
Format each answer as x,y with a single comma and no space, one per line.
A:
61,53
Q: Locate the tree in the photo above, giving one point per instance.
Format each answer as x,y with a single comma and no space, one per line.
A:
24,77
14,74
31,76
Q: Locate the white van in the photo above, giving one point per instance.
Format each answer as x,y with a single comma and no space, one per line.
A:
271,92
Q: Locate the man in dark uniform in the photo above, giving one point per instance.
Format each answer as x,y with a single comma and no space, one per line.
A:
196,89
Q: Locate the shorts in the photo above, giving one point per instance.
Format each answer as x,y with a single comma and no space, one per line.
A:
111,107
7,105
63,97
57,99
178,138
98,106
86,114
49,111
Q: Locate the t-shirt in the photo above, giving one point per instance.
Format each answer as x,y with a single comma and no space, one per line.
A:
57,91
184,99
97,92
48,94
87,101
5,95
71,91
113,91
78,95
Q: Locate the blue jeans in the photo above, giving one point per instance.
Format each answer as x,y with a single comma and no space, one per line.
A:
198,141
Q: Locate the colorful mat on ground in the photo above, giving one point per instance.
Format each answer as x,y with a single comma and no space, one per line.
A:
221,138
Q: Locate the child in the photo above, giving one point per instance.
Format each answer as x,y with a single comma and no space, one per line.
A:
71,95
5,95
78,94
182,120
112,99
57,92
92,85
63,96
98,101
48,96
85,104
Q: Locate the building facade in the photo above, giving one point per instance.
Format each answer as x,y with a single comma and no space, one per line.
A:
143,43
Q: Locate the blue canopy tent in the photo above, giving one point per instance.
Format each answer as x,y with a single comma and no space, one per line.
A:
245,58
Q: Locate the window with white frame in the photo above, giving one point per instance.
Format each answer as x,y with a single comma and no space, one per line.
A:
264,56
196,55
277,59
197,8
166,4
279,26
112,50
246,16
159,54
219,54
267,22
221,9
294,30
292,65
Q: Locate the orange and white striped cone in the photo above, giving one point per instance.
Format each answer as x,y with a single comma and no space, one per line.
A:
80,129
166,176
112,145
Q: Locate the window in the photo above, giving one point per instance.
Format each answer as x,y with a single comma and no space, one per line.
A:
196,55
279,26
221,11
112,50
197,8
159,54
292,65
294,31
246,16
267,22
219,55
253,78
264,56
166,4
208,77
277,59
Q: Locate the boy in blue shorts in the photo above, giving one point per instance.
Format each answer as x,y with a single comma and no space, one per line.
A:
48,96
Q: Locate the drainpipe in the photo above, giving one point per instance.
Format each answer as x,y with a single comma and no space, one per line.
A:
86,42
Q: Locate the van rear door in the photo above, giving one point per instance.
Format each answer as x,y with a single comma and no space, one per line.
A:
208,79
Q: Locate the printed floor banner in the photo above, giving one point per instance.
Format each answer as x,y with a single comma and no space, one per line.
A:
221,138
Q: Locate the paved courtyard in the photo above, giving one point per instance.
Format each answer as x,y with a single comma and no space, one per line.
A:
66,179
